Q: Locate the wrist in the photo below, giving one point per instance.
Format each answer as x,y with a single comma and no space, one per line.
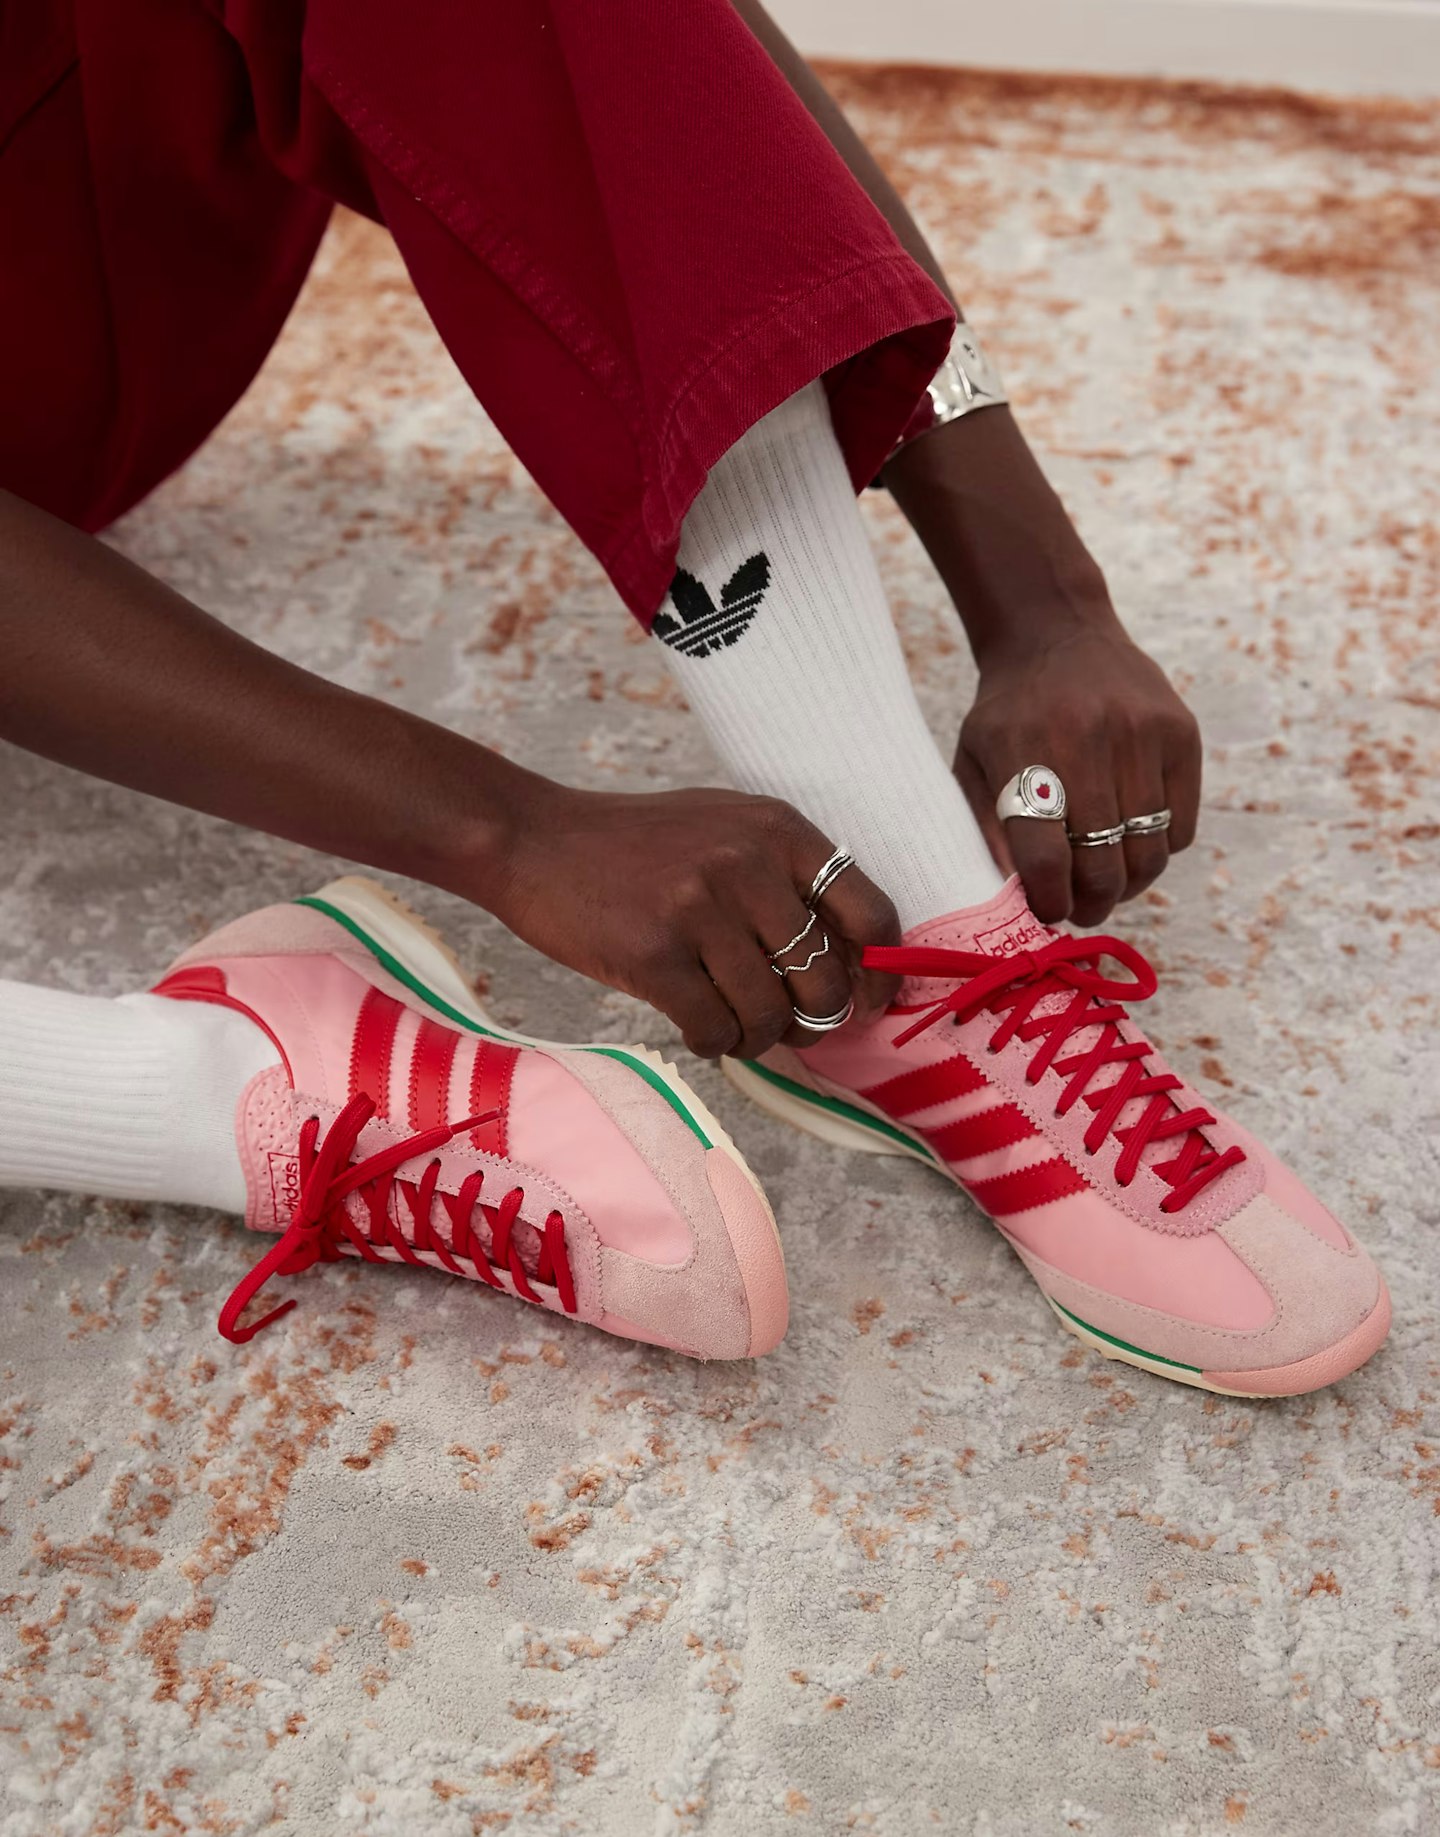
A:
1010,626
999,536
468,813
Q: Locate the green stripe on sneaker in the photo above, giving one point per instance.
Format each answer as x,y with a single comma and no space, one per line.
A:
1157,1358
401,974
817,1100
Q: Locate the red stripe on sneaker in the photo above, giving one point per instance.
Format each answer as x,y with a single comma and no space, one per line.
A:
1029,1187
926,1086
373,1046
982,1134
430,1075
490,1090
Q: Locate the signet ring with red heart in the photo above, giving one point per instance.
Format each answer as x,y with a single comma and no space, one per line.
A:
1033,791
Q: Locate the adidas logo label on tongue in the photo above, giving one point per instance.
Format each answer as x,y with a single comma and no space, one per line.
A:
1012,935
284,1186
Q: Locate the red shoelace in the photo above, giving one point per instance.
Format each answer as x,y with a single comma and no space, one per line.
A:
320,1222
1016,986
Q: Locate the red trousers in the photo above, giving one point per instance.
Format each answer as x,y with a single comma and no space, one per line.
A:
628,231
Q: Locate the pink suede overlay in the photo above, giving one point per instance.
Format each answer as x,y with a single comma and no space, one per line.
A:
1294,1197
700,1306
1325,1367
1316,1305
1199,1279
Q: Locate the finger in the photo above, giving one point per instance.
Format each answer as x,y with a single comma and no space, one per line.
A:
1042,857
686,995
1146,858
856,913
1097,871
1183,772
1142,793
819,976
1034,848
735,959
981,799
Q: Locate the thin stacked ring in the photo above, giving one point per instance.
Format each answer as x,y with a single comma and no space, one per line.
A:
831,872
1096,838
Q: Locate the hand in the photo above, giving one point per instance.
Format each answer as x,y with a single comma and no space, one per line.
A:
1091,705
1060,682
677,896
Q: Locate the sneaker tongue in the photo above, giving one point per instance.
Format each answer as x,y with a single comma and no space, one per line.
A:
1002,927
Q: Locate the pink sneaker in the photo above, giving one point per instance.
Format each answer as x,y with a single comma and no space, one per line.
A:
1159,1232
406,1126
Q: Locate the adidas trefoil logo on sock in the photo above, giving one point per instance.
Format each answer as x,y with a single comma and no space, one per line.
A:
703,626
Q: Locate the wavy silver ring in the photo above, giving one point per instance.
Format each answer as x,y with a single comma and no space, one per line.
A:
1097,838
829,874
825,1023
1148,825
783,970
799,938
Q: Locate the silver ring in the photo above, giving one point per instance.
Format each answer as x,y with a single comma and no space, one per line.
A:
1097,838
783,970
1147,825
1036,791
829,874
825,1023
799,938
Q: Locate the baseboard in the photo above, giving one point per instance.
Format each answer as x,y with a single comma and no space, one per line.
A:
1348,47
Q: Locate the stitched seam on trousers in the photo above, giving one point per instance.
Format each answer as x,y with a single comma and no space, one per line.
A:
617,558
750,327
486,241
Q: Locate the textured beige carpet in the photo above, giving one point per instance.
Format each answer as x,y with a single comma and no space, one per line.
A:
417,1562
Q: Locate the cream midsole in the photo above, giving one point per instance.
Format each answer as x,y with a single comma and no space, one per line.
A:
815,1119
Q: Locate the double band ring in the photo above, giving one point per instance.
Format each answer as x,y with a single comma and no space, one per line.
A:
1035,791
825,1023
828,875
1148,825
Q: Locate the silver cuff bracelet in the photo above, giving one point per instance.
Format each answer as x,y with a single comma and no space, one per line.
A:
967,380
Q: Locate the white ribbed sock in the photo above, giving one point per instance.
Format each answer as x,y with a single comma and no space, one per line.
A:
133,1098
778,631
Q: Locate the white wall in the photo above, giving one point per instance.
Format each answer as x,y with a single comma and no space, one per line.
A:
1347,46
